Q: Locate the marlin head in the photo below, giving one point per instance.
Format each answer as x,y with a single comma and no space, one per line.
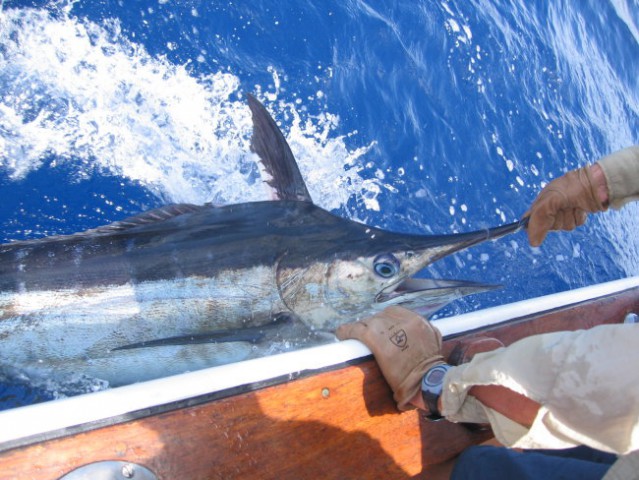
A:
354,270
338,270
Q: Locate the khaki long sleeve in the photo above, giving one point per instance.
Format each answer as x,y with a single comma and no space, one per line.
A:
622,176
586,381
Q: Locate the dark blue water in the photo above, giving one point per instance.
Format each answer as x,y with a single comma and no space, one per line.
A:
417,116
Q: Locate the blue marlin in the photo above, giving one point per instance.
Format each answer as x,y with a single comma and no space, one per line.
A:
186,286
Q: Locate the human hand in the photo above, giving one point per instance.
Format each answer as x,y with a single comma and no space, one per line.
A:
565,202
405,346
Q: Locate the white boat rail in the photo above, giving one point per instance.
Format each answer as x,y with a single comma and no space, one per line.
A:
45,419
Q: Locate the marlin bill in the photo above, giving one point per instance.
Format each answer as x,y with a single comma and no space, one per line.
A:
185,286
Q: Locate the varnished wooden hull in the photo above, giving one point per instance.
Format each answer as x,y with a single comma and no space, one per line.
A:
336,421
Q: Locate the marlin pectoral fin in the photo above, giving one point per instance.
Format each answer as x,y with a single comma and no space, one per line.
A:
276,156
248,334
215,337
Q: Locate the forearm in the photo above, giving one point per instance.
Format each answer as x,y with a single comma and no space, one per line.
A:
553,390
621,173
512,405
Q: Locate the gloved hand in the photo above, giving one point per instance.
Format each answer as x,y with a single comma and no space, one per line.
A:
563,204
405,346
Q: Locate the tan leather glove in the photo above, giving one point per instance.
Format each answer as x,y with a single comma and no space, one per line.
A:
405,346
563,204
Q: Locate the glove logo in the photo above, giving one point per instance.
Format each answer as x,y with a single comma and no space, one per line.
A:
400,339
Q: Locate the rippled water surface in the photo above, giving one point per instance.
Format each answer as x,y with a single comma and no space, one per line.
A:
417,116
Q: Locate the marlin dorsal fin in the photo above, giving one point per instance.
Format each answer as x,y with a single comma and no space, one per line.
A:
152,216
276,156
157,215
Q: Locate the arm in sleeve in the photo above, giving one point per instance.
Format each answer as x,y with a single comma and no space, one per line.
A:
586,381
621,170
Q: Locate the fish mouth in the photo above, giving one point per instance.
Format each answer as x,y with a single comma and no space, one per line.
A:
412,287
427,295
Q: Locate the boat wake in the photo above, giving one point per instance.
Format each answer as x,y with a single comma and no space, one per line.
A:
84,94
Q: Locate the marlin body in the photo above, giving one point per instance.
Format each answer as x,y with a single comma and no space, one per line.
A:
186,286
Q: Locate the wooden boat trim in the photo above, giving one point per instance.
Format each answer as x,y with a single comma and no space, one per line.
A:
26,425
339,423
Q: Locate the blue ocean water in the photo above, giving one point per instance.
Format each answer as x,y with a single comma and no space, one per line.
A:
411,115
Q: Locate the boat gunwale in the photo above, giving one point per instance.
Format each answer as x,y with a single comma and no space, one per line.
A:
58,418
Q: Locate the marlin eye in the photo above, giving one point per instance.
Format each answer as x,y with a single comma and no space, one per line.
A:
386,266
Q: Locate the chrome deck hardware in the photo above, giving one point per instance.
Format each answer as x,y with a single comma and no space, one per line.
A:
110,470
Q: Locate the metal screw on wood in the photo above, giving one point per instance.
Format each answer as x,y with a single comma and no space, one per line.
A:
326,392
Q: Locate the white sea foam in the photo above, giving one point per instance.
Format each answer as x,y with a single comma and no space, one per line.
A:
86,94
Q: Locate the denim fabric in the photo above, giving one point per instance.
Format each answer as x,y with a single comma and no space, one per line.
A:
496,463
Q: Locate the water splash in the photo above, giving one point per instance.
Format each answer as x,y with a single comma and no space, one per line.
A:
84,94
